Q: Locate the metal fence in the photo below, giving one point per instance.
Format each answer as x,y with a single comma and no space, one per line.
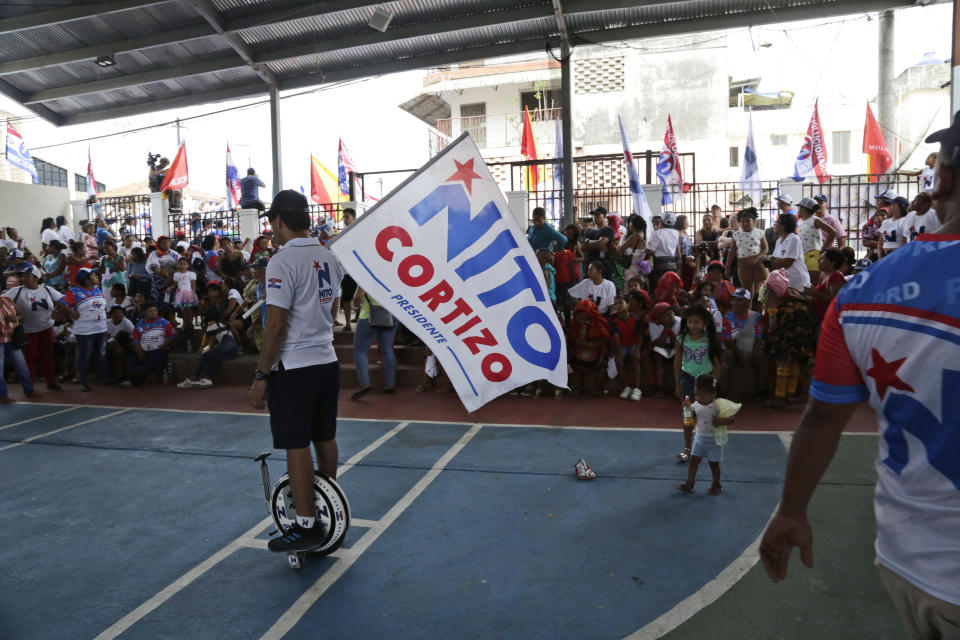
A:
115,211
852,199
221,223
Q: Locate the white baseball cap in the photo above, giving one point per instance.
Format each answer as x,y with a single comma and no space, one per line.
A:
786,198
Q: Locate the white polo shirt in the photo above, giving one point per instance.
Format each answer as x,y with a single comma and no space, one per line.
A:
304,278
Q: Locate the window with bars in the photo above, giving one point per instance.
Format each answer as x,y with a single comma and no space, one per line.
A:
841,147
80,184
778,140
473,119
734,156
51,174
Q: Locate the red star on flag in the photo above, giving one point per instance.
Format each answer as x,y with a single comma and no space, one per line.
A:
465,173
885,374
316,265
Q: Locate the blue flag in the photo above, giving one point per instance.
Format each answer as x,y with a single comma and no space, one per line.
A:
555,199
17,153
640,205
750,182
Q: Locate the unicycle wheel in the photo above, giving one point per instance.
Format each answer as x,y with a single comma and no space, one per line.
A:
331,509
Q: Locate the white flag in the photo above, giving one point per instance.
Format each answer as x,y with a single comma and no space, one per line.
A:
750,182
441,256
640,205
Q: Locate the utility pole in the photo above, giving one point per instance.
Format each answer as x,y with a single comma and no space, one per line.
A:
886,115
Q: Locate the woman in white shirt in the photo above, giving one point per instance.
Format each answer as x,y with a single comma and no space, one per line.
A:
65,232
48,232
812,232
893,230
788,252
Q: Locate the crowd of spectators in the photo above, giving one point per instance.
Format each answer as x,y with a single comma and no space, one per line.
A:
646,310
114,305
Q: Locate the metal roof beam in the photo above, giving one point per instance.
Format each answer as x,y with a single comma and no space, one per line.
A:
108,48
44,112
408,31
734,20
119,82
177,35
561,24
209,12
190,100
71,12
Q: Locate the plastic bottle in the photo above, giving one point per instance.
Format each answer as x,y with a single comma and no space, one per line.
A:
689,418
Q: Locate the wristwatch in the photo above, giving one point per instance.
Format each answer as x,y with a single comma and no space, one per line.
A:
260,375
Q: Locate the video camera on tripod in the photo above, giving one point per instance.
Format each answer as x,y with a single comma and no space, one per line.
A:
155,179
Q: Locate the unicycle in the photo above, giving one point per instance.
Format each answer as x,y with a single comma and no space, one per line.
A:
332,509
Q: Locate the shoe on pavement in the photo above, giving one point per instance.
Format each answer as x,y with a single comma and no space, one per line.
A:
296,538
126,383
626,393
636,395
203,383
186,384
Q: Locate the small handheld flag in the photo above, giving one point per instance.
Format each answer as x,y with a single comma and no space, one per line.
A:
233,182
528,149
177,176
640,205
750,182
18,154
91,181
879,159
812,160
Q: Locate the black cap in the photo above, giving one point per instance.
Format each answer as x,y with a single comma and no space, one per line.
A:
949,140
287,201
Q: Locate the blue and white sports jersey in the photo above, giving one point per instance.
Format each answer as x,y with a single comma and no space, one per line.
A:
892,336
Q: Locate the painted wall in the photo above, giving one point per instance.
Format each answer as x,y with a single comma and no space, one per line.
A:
24,206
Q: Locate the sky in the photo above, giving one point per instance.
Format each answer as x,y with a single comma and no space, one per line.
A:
833,59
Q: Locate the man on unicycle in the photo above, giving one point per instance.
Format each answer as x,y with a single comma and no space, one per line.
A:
298,376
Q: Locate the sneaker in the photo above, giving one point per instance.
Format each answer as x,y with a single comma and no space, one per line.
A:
186,384
636,395
126,383
84,387
626,393
203,383
296,538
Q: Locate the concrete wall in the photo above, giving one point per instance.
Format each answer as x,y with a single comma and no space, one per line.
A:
24,206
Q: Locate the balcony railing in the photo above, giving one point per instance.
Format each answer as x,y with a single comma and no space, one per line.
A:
504,129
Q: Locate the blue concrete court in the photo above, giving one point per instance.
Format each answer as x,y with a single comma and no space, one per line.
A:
136,523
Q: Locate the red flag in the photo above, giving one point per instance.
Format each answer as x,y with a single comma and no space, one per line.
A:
879,159
812,160
91,181
528,149
177,176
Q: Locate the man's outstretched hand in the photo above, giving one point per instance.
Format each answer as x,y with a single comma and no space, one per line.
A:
782,535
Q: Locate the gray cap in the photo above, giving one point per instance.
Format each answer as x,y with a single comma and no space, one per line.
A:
809,203
889,194
669,218
949,140
785,198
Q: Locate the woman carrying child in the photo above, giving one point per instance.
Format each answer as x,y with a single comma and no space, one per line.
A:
698,353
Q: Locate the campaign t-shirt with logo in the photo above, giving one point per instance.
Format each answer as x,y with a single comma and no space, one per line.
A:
601,294
304,278
916,223
151,335
742,332
91,306
892,231
892,336
35,305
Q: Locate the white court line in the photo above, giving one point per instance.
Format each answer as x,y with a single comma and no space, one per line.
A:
46,415
759,432
349,556
248,539
705,595
787,439
71,426
173,588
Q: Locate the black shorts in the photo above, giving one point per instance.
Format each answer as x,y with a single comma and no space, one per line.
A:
303,405
348,289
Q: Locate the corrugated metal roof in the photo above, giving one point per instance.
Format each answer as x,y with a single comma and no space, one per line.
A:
167,55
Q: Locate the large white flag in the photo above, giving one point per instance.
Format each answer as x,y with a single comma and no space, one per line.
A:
444,255
750,182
